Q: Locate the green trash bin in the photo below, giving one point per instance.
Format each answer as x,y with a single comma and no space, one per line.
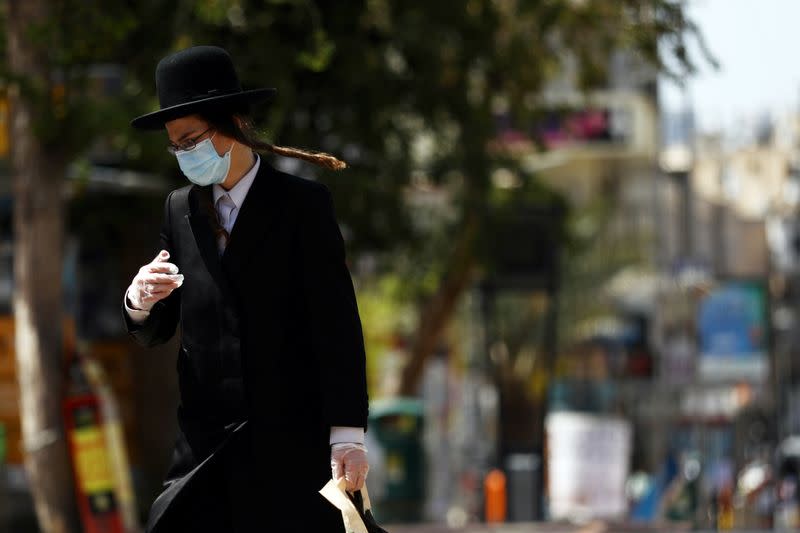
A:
396,424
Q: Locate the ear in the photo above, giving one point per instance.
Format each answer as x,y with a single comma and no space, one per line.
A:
240,121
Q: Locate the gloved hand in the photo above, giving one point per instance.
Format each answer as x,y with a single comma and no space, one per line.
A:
349,459
155,281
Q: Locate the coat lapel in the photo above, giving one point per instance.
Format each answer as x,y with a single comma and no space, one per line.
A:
257,216
203,233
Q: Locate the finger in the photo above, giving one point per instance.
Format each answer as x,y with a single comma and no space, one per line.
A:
351,476
158,294
160,278
154,288
162,289
359,484
354,482
153,298
337,470
163,255
169,268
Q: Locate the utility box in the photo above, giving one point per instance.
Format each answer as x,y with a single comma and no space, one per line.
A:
396,424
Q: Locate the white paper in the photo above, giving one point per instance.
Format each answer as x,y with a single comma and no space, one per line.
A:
335,493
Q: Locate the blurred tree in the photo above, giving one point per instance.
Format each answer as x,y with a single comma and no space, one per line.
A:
38,237
50,50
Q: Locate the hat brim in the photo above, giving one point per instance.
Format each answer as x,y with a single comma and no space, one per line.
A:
157,119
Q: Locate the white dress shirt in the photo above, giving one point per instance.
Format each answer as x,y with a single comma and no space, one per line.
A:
228,204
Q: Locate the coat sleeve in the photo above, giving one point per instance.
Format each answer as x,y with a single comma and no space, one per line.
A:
335,323
161,323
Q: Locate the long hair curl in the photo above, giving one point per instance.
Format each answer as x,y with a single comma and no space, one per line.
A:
237,125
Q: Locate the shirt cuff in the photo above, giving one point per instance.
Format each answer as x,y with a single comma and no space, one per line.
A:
346,434
137,315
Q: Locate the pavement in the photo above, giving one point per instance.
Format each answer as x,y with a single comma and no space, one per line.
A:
484,528
592,527
540,527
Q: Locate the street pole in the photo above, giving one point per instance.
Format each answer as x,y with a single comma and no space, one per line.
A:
684,181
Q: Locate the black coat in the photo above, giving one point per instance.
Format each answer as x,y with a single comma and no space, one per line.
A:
270,334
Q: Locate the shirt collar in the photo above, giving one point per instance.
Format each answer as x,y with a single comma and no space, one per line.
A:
238,191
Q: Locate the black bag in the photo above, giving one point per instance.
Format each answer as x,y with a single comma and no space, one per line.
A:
366,515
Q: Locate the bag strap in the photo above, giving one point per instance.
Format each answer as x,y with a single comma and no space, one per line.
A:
357,498
180,202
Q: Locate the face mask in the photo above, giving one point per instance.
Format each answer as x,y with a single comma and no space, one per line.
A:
203,165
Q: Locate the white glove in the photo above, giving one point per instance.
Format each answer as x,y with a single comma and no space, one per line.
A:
155,281
349,459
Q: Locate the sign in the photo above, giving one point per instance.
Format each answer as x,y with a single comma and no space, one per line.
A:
732,329
91,460
588,461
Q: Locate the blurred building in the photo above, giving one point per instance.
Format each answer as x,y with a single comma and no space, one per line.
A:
676,315
725,254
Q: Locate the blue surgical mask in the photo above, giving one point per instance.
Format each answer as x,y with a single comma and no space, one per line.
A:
203,165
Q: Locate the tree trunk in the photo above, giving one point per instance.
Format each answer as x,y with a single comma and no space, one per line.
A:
38,237
437,312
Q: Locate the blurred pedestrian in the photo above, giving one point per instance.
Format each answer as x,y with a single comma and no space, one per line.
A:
271,364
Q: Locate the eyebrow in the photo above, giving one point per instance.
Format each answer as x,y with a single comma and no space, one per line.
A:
186,135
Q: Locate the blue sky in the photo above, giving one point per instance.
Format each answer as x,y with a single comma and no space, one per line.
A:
757,43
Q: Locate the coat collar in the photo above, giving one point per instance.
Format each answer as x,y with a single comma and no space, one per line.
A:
257,216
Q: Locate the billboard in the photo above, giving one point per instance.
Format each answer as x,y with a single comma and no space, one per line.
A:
732,329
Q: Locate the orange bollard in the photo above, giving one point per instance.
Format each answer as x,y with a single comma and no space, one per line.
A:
494,490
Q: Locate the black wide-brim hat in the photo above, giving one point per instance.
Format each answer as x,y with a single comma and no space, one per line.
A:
200,78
